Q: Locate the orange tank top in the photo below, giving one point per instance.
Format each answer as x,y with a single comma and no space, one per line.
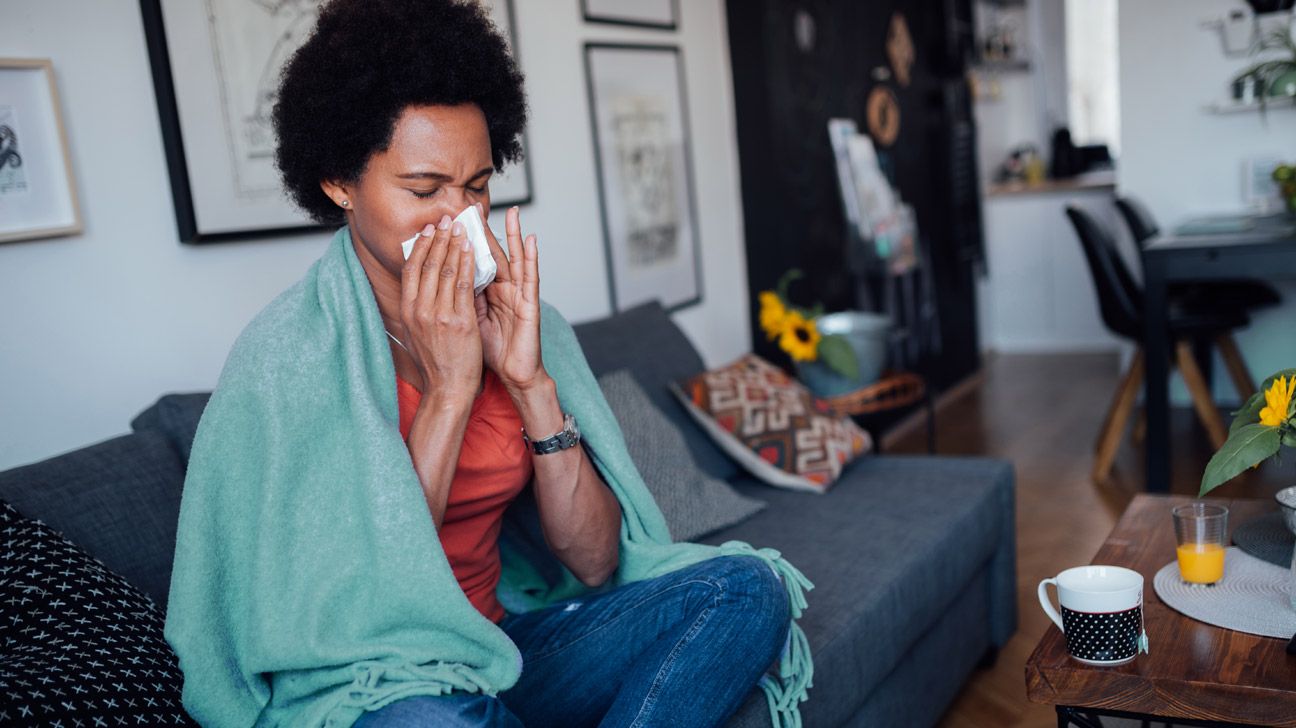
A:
494,465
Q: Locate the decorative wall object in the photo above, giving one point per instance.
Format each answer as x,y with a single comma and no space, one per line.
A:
641,145
662,14
883,110
900,50
37,190
215,101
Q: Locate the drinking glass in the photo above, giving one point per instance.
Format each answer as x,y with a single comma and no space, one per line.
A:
1200,529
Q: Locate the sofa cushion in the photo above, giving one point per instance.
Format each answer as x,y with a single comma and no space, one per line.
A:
645,341
772,424
693,503
119,500
888,549
78,645
176,416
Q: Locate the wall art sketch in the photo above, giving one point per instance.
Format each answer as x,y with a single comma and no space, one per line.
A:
13,178
215,102
639,115
37,189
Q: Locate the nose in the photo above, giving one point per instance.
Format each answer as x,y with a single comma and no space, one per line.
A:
456,199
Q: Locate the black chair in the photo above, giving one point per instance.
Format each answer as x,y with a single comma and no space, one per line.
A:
1246,294
1120,302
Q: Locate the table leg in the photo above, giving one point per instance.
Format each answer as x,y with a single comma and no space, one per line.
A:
1156,345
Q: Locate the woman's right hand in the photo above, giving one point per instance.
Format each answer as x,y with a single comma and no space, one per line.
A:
439,317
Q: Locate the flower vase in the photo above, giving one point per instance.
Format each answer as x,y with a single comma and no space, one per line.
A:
867,334
1287,499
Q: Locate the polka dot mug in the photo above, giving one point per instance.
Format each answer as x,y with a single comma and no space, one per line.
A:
1102,613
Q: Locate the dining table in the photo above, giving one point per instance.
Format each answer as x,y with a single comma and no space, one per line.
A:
1219,247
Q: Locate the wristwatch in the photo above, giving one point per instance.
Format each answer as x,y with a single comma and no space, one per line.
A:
568,437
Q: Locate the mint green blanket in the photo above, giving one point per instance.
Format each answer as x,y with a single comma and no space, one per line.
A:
309,582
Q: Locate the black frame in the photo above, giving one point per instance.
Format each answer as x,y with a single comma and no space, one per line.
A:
688,168
173,140
526,141
672,25
1068,716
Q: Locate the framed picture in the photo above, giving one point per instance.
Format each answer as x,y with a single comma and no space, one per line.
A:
37,191
641,149
662,14
215,101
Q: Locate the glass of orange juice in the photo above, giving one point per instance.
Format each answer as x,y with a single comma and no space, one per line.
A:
1200,529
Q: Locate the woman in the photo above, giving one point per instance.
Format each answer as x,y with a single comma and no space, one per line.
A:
310,585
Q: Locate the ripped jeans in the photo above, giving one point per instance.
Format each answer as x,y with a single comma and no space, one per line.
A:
683,649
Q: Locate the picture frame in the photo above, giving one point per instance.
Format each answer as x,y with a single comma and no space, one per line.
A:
639,119
214,106
659,14
38,197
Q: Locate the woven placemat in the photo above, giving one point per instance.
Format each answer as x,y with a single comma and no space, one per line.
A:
1252,596
1266,537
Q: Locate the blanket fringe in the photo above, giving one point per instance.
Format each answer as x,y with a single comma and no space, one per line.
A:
377,685
785,692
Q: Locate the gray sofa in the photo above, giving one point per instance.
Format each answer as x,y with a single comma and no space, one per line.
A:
913,558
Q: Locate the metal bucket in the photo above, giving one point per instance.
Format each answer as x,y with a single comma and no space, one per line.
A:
868,335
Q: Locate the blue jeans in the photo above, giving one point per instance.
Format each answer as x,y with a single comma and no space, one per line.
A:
683,649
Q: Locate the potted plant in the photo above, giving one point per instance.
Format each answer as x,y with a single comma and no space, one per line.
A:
834,353
1271,78
1265,424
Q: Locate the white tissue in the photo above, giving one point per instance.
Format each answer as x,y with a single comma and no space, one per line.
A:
475,229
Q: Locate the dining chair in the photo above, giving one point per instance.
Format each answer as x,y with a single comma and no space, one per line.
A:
1120,303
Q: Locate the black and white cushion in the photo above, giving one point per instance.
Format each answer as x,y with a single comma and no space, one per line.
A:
79,646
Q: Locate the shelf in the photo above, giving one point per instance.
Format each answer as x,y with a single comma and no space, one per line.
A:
1012,66
1238,107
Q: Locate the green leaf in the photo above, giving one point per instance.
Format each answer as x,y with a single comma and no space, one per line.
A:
1289,438
1285,374
837,353
1249,413
1249,445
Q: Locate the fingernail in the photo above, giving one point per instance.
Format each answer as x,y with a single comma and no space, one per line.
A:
458,229
445,222
480,208
465,245
428,229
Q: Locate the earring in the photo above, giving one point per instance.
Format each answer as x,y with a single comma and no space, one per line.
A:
345,203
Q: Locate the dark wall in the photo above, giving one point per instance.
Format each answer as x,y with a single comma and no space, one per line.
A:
785,93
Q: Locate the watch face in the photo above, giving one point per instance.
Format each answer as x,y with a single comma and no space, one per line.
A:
573,427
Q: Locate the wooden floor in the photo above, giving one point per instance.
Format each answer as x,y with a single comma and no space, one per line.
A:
1043,413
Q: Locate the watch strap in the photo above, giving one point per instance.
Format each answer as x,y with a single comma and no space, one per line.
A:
566,438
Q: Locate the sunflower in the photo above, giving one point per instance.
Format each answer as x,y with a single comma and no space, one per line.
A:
772,314
800,337
1278,397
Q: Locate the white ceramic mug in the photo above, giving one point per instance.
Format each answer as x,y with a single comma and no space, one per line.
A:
1102,613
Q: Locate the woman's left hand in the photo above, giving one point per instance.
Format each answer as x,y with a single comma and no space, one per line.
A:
508,312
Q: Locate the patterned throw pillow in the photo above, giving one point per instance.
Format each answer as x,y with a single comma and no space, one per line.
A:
693,503
772,424
79,646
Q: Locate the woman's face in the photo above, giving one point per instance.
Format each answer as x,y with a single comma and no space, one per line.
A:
438,163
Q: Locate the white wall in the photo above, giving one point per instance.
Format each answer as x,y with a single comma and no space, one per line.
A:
97,326
1183,161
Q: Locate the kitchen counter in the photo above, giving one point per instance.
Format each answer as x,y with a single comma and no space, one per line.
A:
1105,179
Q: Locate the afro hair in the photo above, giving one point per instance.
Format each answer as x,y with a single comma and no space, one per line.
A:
366,62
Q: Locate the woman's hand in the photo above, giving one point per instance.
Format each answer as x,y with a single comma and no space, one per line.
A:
508,313
438,314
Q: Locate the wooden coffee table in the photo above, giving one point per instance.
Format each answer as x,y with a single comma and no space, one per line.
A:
1195,674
